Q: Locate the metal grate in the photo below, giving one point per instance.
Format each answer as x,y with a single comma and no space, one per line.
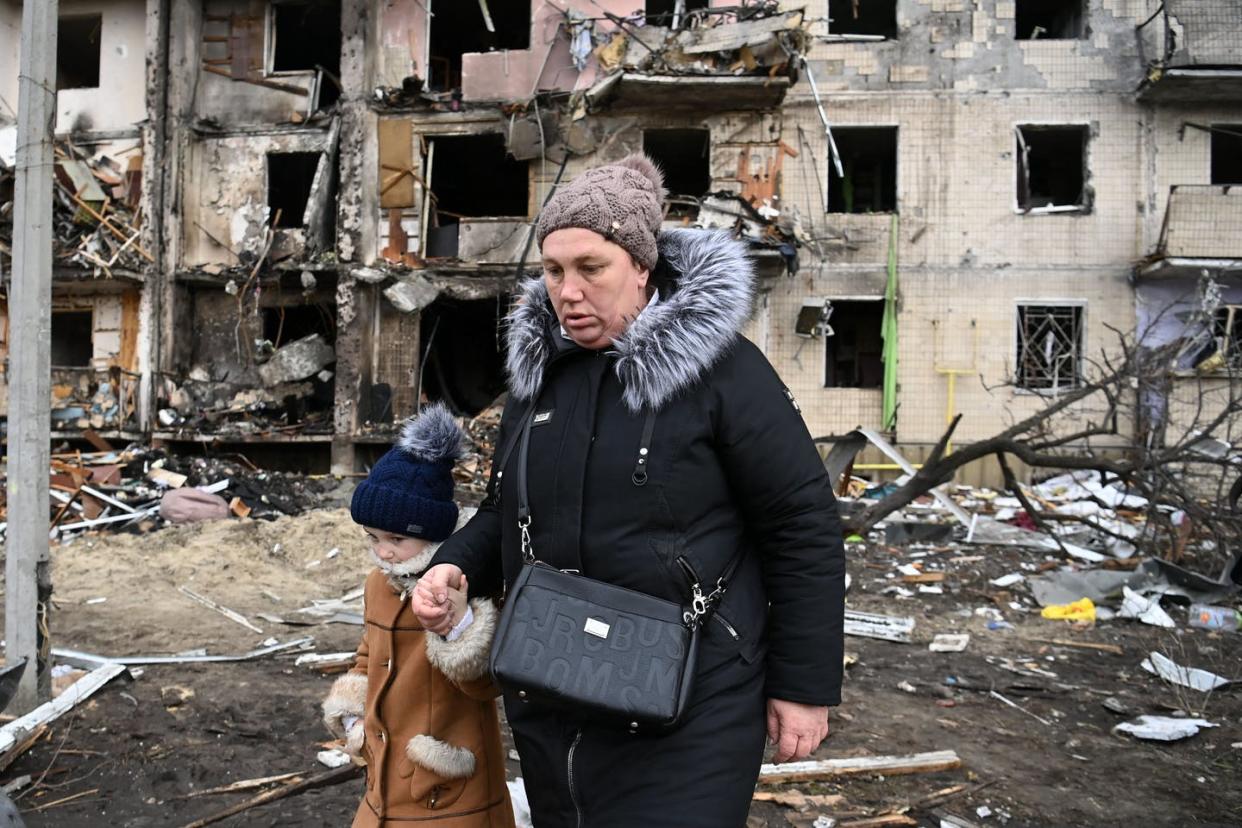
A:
1049,347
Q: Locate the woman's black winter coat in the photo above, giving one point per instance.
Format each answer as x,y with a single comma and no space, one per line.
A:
731,467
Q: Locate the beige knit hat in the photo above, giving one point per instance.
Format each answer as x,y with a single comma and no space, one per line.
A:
623,202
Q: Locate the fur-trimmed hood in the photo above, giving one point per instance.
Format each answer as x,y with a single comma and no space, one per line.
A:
672,343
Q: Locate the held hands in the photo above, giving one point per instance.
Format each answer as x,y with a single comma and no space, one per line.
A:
431,599
795,729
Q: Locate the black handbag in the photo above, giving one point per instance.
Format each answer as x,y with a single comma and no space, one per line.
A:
593,648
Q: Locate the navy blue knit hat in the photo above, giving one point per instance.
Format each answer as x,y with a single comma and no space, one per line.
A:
410,490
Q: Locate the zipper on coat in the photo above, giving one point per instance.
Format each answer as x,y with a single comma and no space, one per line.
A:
718,617
569,766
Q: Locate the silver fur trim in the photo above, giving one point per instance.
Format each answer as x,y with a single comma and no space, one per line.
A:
671,345
401,574
348,697
441,758
465,658
433,435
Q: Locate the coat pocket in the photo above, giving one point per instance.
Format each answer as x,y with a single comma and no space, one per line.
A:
437,771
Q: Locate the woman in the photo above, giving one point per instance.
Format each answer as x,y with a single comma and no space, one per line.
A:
626,321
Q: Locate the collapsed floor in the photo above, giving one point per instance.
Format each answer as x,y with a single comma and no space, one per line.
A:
1030,719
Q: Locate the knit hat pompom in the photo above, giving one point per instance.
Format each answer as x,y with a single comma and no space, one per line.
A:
433,435
410,489
623,202
644,166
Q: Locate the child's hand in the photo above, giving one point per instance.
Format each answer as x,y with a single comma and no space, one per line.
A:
457,601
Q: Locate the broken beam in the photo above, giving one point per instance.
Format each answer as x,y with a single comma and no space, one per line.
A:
888,765
884,627
332,777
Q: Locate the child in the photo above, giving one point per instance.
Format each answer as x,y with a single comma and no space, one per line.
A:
419,708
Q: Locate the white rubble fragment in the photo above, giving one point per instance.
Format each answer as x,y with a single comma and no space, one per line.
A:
1144,608
333,758
1008,580
1162,728
1191,677
949,643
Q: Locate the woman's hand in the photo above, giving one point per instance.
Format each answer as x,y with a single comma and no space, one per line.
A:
795,729
430,600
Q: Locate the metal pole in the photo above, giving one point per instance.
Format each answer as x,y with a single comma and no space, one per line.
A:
28,581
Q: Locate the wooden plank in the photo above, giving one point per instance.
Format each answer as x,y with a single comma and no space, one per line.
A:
883,627
128,357
332,777
396,160
879,821
888,765
74,694
1083,645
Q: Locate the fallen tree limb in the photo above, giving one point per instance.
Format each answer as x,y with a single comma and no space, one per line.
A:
332,777
887,765
1084,645
242,785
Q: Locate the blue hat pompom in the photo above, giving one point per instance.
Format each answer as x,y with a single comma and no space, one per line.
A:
410,489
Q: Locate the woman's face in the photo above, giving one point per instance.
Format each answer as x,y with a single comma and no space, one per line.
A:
595,286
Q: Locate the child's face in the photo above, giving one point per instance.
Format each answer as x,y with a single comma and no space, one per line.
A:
393,548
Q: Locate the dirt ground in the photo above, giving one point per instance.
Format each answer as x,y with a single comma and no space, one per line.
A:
131,759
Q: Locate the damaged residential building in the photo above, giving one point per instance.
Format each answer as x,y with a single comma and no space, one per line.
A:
286,222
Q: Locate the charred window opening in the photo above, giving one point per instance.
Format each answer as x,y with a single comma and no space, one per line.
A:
665,12
1052,167
306,36
1050,20
460,27
1226,152
289,179
472,176
1227,336
1049,347
77,51
853,344
872,18
461,356
289,323
71,339
684,156
869,161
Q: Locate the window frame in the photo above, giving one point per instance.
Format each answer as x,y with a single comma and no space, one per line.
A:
830,172
827,340
1087,206
1056,390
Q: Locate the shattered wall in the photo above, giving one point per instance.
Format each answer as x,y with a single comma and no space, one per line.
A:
118,101
226,211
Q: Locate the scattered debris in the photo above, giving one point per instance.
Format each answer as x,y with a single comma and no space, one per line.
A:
886,627
1145,609
949,643
1081,610
13,733
334,758
223,610
92,661
888,765
295,785
1191,677
1162,728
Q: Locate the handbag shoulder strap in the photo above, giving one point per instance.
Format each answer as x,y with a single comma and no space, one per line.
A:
510,445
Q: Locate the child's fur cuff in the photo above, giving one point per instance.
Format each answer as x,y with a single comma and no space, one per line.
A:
465,658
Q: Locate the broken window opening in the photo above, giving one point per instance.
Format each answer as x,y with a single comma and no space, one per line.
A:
1226,153
289,323
72,346
289,179
1227,336
1050,20
869,160
305,35
461,27
77,51
871,19
1052,168
472,176
460,354
666,13
853,344
684,156
1049,347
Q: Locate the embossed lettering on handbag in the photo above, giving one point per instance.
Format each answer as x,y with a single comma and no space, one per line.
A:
567,640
